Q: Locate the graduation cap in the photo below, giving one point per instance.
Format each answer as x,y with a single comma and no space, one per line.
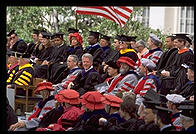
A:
58,35
12,53
151,95
117,37
95,34
132,38
112,64
46,35
125,38
105,37
163,113
35,31
151,104
183,36
72,30
11,32
187,108
52,36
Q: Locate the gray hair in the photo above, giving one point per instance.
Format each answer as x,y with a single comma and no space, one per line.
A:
75,57
141,43
87,55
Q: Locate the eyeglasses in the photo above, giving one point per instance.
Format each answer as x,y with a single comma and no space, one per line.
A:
12,37
121,42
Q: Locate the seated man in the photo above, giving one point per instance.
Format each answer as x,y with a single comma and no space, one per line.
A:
88,78
126,80
42,107
148,81
23,77
74,70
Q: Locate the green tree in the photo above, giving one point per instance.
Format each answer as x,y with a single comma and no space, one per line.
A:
58,19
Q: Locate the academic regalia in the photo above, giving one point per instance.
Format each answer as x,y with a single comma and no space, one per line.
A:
59,54
36,51
77,51
51,117
12,70
131,53
177,71
90,120
187,90
97,52
85,81
112,56
164,58
41,70
69,78
31,47
39,111
19,46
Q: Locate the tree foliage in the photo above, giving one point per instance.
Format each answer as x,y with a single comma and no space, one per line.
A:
58,19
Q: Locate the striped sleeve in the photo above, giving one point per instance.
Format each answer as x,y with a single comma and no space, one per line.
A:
156,56
11,76
149,84
24,78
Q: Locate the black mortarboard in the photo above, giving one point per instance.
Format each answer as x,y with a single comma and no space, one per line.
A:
132,38
187,108
163,113
117,37
72,30
52,36
11,32
125,38
181,36
105,37
35,31
95,34
150,104
46,35
112,64
58,35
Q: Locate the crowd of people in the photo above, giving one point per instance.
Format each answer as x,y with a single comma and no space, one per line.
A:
125,86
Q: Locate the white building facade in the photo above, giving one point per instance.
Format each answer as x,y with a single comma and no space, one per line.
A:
169,19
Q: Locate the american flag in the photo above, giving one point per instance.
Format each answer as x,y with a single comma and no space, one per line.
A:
118,14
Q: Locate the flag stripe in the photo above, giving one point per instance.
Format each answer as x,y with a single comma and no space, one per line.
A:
120,15
96,11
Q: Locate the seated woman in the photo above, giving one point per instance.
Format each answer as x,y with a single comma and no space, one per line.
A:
41,108
70,100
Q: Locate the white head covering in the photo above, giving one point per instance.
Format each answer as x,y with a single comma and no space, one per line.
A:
154,38
148,63
175,98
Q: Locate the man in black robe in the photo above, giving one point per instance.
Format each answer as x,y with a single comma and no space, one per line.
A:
58,58
174,74
88,78
32,45
188,89
94,49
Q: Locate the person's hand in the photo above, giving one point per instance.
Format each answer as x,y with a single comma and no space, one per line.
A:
9,86
154,72
191,98
102,121
70,85
165,73
45,62
17,125
51,126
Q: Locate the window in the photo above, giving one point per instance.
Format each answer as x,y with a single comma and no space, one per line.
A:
144,17
186,24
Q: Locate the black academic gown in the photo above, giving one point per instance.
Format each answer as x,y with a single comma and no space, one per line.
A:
77,51
59,54
149,127
187,90
85,81
177,73
40,71
165,58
